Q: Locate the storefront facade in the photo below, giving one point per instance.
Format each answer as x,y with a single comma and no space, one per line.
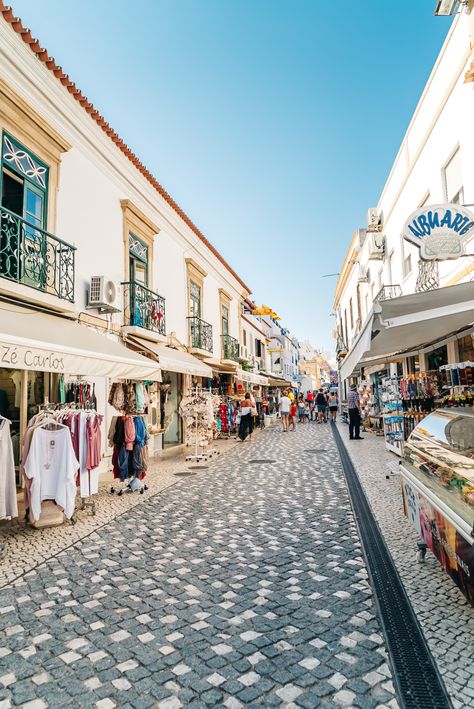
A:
129,309
387,262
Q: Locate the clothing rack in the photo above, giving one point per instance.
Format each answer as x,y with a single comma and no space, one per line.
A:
48,410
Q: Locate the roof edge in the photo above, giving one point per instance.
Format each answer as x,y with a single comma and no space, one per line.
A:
50,63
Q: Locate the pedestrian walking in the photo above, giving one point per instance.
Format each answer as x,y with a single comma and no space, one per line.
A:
245,418
253,415
292,419
321,406
284,406
353,405
332,402
300,409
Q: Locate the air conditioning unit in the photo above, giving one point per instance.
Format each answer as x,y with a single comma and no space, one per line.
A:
376,246
104,295
373,219
362,277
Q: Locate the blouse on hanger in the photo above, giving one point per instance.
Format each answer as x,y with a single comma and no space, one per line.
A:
52,465
8,504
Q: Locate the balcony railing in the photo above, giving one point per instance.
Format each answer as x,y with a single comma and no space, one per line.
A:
34,257
144,308
230,348
200,334
387,293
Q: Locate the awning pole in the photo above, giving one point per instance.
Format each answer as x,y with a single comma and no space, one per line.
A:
23,411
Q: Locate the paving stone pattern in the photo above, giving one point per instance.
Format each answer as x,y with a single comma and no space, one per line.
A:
446,618
243,586
27,547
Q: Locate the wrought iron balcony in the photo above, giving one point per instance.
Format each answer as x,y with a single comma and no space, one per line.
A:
200,334
144,308
34,257
230,348
387,293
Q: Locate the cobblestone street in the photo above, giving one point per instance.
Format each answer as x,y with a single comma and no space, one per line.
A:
242,585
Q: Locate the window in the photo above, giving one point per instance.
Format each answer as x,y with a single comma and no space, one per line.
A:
366,303
225,319
452,177
244,335
351,314
24,191
345,327
407,267
194,300
138,260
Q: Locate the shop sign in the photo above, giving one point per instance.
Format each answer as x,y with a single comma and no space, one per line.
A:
14,357
439,230
453,551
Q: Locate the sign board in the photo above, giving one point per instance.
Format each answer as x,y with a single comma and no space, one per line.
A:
439,230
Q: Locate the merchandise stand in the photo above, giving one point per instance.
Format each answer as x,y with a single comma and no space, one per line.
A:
198,412
56,411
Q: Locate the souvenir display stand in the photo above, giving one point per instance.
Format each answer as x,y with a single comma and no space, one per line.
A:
437,473
405,401
197,410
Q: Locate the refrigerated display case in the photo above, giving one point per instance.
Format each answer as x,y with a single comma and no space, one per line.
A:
437,472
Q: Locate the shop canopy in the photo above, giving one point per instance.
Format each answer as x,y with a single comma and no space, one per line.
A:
37,341
172,360
251,378
277,382
410,323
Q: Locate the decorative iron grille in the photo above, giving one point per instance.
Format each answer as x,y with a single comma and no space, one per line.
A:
35,258
428,276
144,308
230,348
387,293
200,334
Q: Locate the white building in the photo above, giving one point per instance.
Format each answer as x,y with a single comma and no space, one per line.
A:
77,204
433,167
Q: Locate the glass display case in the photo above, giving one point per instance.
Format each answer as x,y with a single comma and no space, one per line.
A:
437,472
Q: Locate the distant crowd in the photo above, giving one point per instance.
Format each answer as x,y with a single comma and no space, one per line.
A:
319,406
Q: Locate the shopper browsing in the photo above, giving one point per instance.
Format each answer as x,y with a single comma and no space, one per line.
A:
245,426
353,405
284,406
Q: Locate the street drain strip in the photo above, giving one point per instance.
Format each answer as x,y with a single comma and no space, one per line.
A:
315,450
416,677
183,475
262,461
198,467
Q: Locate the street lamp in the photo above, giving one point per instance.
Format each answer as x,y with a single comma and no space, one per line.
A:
446,7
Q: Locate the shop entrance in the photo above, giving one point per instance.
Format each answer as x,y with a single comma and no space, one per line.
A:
172,425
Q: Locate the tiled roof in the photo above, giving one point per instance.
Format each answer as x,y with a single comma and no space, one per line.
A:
58,72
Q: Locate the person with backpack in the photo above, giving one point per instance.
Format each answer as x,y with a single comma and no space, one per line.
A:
321,403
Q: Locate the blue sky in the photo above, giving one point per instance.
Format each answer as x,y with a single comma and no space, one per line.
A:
273,123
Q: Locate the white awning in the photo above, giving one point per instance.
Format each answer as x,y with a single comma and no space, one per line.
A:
41,342
251,378
411,322
172,360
